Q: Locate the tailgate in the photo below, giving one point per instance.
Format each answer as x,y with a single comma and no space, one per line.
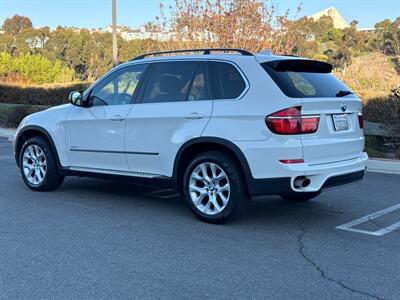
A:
339,136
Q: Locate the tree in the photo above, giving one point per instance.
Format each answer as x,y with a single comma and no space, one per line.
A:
339,59
247,24
389,33
17,24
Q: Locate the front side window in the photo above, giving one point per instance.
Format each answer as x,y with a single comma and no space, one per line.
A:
118,88
170,82
227,83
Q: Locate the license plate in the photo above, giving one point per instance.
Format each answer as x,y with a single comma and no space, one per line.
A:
341,122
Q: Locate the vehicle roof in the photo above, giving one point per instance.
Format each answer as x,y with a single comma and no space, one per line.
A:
234,57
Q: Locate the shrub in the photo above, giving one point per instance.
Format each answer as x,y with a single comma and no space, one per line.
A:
50,95
34,69
396,64
384,110
11,115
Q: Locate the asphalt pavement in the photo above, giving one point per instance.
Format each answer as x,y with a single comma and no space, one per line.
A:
101,239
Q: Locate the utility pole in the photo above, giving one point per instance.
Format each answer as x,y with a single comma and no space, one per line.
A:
114,34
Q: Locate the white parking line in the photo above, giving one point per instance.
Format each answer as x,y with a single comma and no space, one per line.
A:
7,157
349,226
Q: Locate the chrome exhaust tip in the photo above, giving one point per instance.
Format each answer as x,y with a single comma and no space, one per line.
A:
301,182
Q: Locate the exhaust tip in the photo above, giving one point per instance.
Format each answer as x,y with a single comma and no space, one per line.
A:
301,182
306,182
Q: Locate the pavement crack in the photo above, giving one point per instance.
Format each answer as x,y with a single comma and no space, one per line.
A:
323,274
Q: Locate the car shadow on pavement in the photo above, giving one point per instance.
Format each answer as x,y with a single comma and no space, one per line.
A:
260,210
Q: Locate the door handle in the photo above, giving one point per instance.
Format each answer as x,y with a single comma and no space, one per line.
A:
194,116
117,118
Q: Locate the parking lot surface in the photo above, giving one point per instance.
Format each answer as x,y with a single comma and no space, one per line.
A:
106,240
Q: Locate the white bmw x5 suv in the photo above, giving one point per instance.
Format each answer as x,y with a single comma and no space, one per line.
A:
219,126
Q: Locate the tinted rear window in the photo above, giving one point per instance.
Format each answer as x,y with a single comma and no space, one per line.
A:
227,83
298,79
169,82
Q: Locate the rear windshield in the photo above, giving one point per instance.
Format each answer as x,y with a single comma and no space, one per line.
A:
305,79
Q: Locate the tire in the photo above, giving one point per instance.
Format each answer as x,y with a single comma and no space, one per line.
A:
226,171
38,166
300,197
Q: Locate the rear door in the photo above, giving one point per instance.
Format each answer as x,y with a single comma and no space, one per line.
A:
339,136
175,107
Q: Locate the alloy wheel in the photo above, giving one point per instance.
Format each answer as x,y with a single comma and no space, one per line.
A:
209,188
34,164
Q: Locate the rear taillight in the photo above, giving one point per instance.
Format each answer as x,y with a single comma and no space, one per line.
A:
361,120
290,121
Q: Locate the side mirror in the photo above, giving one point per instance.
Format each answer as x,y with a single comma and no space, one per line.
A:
76,98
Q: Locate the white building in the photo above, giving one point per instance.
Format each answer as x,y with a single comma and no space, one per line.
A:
338,21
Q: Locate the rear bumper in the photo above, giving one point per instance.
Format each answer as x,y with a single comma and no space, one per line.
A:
321,177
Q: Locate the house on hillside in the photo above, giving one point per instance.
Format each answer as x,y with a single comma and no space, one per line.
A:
37,42
338,21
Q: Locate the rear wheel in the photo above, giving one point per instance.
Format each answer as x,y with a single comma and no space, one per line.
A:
38,165
300,197
213,187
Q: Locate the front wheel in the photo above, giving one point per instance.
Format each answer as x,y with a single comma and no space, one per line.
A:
38,165
214,187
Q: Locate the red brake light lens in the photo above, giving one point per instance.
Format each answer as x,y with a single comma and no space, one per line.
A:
290,121
292,161
361,120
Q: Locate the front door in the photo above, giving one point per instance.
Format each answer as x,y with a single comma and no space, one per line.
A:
95,134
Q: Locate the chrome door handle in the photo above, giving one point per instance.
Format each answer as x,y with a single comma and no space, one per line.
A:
117,118
194,116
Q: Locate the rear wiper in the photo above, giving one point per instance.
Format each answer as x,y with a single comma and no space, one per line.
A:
343,93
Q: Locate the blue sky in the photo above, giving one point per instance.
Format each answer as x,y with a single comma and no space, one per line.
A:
97,13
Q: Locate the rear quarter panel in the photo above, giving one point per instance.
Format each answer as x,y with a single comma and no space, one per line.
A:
242,121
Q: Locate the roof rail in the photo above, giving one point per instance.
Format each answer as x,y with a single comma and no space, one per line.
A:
205,52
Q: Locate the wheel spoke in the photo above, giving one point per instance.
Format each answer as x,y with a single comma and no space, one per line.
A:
223,198
200,190
42,171
196,176
38,174
203,168
199,199
213,200
206,208
224,188
27,155
213,168
31,153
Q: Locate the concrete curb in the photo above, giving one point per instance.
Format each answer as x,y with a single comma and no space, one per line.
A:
8,133
379,165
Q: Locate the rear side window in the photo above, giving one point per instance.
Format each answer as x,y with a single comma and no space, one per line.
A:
199,89
227,83
169,82
305,79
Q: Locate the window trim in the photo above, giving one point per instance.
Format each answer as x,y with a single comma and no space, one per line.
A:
149,67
